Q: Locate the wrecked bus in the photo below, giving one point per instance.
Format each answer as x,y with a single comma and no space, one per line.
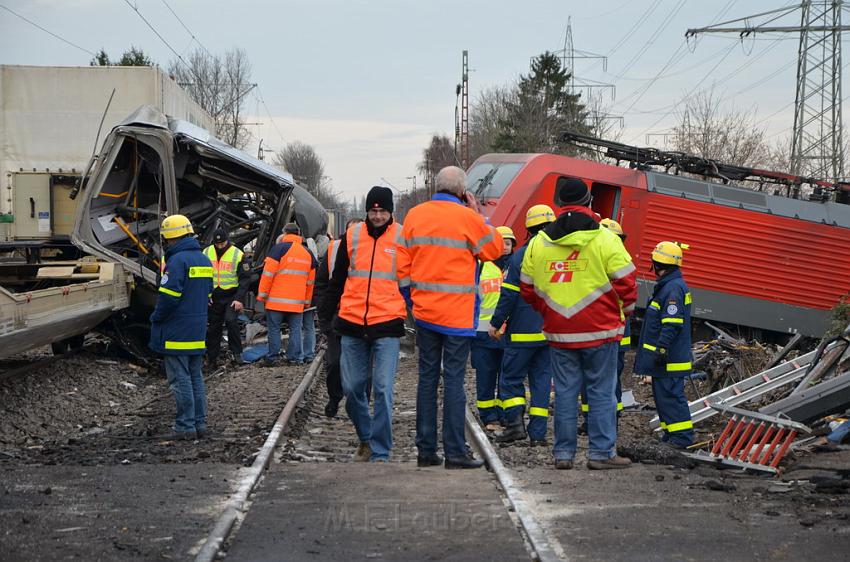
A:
758,258
152,166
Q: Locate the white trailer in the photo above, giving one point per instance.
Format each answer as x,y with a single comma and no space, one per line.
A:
49,118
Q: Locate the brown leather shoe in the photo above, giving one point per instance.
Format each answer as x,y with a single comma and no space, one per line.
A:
564,465
607,464
364,452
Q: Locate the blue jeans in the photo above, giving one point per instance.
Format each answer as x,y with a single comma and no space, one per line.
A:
360,360
596,367
453,352
187,385
294,350
308,332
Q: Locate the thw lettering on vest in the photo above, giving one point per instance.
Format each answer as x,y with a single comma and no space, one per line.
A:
491,285
562,270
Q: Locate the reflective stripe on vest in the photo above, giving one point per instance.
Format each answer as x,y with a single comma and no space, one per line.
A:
371,294
185,344
225,270
287,288
332,251
528,337
489,286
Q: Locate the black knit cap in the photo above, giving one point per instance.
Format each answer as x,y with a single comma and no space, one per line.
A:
380,198
220,235
571,191
291,228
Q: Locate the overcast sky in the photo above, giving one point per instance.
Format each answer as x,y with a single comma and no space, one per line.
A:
368,81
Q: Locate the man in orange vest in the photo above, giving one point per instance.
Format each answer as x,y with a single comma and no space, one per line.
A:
441,241
332,353
285,292
370,321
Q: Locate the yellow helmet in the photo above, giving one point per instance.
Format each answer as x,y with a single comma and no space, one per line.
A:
613,226
669,252
175,226
539,214
506,232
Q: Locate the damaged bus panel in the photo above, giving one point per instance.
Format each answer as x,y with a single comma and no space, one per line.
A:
152,166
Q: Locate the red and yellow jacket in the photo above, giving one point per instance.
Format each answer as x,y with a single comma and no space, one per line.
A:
440,244
581,279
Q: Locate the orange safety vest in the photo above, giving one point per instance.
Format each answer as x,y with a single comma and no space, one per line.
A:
441,240
333,248
284,283
371,294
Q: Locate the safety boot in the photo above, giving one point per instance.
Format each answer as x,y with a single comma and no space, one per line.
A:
363,454
607,464
514,432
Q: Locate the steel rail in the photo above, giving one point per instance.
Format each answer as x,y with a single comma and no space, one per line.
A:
236,505
542,548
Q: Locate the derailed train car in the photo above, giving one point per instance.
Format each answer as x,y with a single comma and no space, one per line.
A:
152,166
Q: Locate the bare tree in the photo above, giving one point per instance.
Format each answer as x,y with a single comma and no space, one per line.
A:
439,154
308,169
486,115
219,84
705,128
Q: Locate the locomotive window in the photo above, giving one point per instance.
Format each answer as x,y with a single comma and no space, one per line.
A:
606,199
489,180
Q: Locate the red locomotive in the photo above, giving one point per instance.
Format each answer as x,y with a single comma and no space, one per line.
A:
769,261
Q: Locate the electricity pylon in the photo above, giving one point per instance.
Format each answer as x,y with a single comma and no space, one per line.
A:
816,144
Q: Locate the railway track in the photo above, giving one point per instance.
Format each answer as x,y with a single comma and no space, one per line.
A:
73,488
304,436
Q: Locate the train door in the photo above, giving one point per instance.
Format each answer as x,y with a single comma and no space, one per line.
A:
606,199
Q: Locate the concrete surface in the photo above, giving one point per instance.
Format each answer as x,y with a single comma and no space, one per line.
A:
654,512
385,511
109,512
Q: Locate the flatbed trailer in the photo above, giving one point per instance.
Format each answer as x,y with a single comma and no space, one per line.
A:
43,304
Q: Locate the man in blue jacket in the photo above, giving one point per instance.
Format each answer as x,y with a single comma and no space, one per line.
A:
527,352
179,323
664,352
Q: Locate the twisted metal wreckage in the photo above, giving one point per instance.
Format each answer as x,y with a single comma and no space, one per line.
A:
152,165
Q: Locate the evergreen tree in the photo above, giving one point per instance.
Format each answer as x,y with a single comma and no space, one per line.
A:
541,109
131,57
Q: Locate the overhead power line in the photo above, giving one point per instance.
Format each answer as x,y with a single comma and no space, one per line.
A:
688,95
195,39
269,113
32,23
649,42
157,33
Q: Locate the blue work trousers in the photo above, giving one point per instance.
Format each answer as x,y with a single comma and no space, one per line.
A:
294,350
452,351
308,333
361,360
596,367
187,385
487,361
536,364
673,411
